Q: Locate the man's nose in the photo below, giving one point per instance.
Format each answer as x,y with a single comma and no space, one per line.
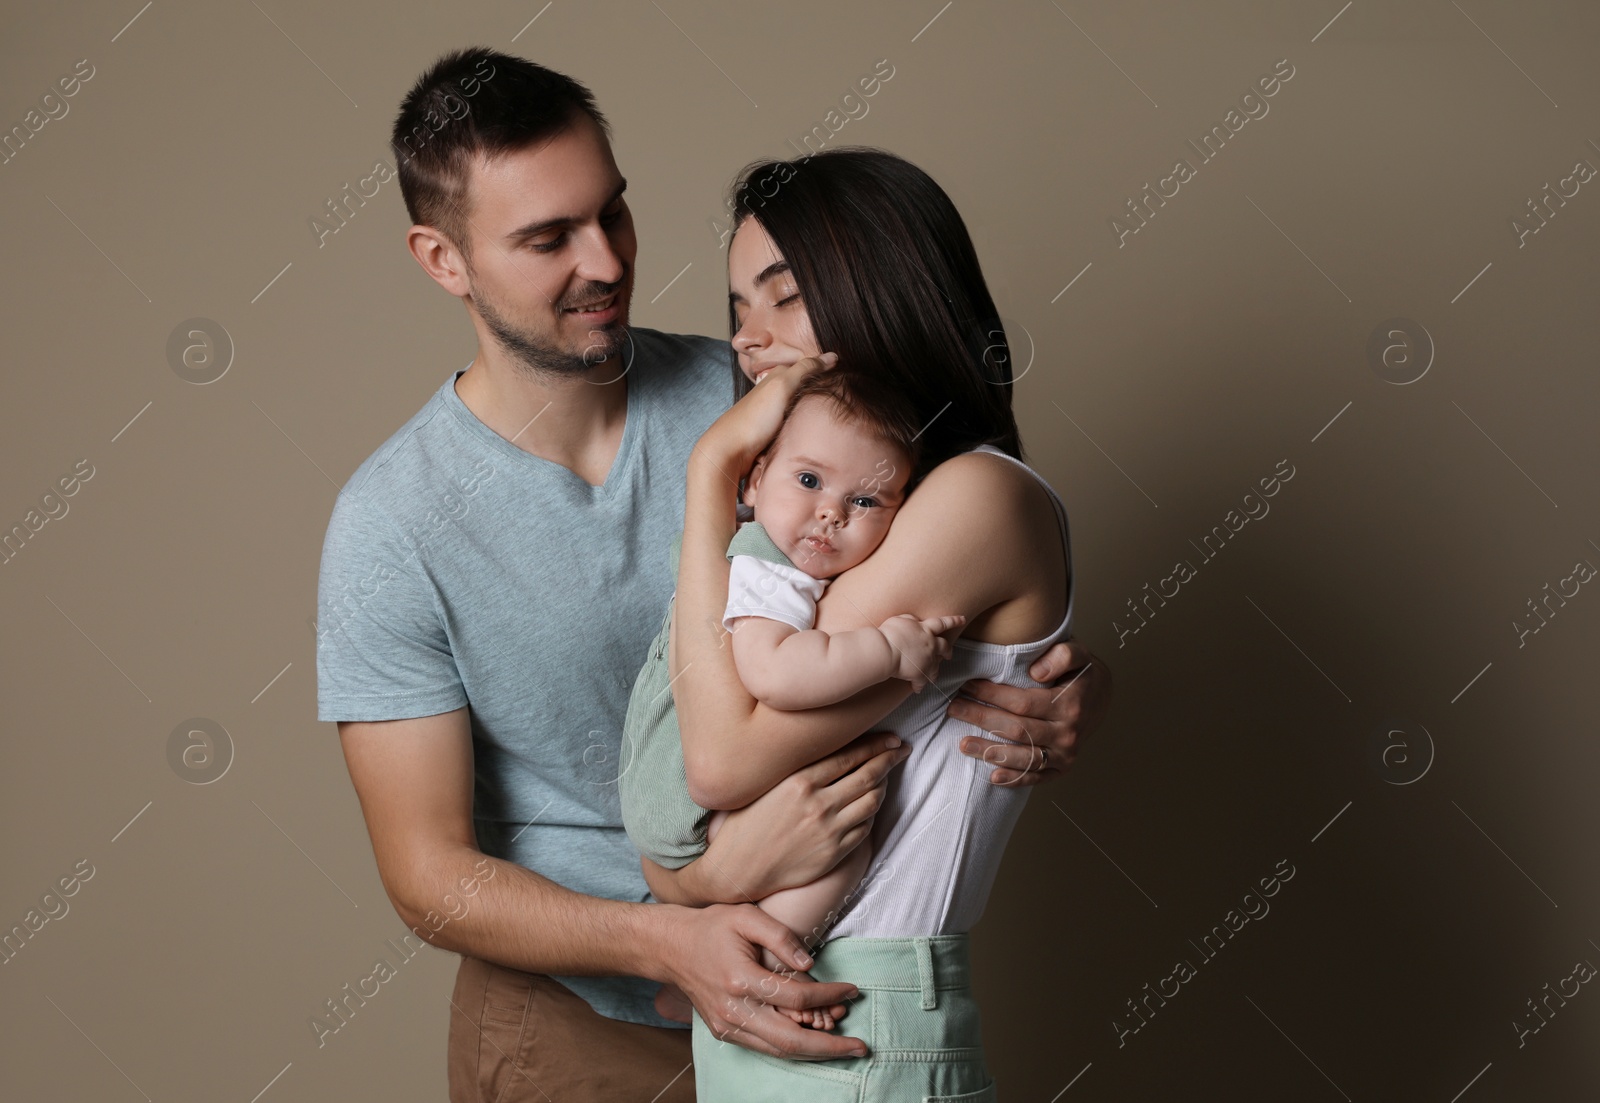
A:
599,260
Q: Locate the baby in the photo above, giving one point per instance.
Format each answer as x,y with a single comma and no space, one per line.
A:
822,495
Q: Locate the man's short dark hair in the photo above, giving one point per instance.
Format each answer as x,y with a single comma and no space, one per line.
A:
475,102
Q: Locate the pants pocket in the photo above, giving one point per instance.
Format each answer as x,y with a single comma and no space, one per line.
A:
725,1072
504,1037
984,1094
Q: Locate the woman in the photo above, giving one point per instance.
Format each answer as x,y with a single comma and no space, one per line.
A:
860,253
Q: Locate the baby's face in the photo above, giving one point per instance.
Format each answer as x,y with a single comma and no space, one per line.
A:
827,492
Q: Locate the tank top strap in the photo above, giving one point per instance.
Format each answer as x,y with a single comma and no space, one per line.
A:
1061,520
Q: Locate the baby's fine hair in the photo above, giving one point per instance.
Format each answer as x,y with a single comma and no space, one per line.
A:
872,404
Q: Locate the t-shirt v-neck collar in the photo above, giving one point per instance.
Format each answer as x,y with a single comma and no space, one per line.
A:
632,427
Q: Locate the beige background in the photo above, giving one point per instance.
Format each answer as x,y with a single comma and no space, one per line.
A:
1229,334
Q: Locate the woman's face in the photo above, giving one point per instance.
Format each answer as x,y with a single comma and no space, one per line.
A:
774,327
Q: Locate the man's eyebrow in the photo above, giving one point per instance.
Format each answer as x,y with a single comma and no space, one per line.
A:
534,229
777,267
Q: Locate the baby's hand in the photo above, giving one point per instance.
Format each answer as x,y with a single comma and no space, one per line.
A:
918,646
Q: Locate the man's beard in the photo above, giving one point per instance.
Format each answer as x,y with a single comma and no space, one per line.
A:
539,357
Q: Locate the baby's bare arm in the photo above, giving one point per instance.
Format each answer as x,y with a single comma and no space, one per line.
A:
793,670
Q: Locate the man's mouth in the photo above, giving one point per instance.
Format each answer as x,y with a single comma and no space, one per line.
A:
599,306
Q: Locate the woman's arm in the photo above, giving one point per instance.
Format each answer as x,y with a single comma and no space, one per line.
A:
794,834
950,551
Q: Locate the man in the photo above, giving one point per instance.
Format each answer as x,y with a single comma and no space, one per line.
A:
491,577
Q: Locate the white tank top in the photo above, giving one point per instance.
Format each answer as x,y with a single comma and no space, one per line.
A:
938,838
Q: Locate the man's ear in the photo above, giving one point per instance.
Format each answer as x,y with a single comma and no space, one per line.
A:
440,258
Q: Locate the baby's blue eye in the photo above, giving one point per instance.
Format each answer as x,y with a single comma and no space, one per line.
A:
809,481
864,503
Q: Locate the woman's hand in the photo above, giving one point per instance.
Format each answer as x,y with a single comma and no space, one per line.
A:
736,438
796,832
1040,727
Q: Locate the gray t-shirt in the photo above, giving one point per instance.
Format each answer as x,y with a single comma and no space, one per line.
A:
459,569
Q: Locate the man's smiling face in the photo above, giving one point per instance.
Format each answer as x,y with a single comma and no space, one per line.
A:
553,247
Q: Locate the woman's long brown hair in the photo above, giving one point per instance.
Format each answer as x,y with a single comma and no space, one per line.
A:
890,280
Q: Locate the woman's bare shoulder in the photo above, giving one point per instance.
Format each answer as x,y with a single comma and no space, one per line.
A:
982,485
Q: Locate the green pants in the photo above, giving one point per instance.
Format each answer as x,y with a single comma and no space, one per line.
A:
916,1013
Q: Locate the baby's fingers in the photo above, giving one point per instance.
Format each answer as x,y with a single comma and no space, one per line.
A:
940,625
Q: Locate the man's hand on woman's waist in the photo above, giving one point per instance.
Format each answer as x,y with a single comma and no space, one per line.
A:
1038,729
